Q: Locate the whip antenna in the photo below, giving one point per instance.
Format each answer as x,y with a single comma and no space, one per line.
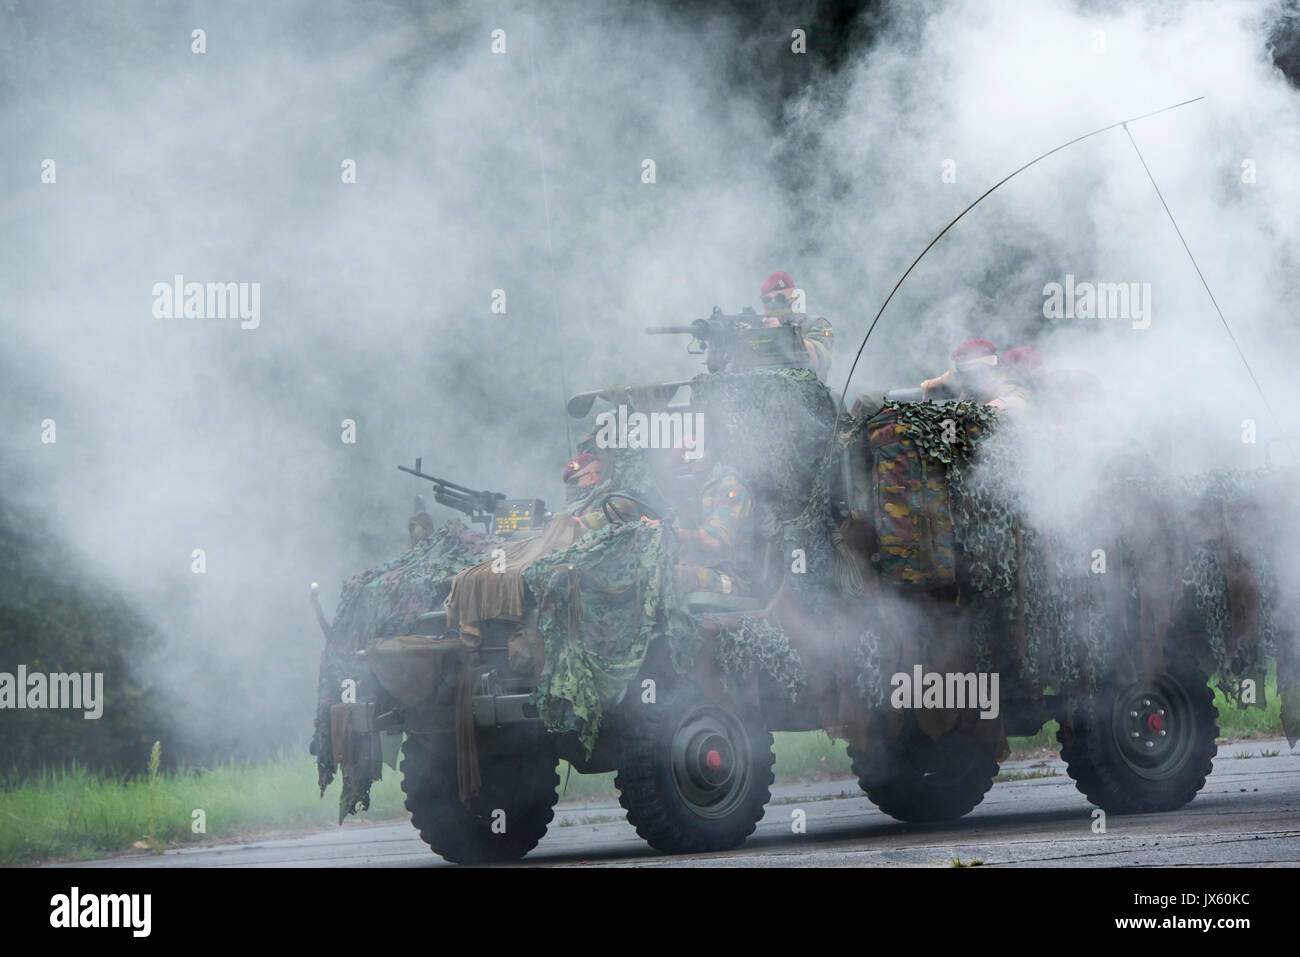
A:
1250,372
871,328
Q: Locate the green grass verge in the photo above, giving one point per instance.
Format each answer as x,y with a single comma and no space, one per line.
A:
1253,721
73,813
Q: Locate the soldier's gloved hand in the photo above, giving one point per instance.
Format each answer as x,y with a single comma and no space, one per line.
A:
771,321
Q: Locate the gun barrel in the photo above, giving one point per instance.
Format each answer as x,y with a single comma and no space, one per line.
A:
441,483
462,503
669,330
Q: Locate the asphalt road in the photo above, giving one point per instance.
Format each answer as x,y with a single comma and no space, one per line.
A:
1247,814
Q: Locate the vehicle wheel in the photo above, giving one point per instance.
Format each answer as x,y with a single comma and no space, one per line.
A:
916,779
523,786
693,776
1142,748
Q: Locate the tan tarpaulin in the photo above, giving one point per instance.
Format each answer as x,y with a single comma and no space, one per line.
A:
495,588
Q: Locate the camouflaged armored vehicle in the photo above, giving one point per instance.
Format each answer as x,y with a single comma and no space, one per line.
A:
882,548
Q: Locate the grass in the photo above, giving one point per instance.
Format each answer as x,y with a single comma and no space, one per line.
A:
811,798
1243,755
1253,721
590,819
1026,775
1044,740
74,813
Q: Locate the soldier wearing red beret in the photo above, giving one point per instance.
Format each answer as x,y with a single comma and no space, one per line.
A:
972,375
1020,369
779,295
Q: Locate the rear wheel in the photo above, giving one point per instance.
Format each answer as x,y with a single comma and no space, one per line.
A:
693,775
914,778
503,822
1144,746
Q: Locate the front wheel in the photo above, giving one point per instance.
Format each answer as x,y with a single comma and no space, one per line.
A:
503,822
1143,746
693,775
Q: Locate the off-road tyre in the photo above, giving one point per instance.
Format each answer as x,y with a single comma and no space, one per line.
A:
693,776
916,779
523,786
1123,774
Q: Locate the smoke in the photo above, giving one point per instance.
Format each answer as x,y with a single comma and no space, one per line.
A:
525,171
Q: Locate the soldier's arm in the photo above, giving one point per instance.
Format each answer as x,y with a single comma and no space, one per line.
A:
718,532
1014,397
939,385
819,340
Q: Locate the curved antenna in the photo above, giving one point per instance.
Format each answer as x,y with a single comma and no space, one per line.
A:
871,328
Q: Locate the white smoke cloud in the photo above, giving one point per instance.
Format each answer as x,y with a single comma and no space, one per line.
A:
523,172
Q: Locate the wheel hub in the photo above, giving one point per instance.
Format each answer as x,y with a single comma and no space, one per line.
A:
710,761
1152,726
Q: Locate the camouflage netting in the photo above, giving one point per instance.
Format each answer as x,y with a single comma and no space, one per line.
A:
384,601
788,468
870,682
1041,579
754,645
1225,562
600,602
1166,532
633,474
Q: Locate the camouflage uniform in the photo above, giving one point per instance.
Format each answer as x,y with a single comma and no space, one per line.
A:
818,334
726,514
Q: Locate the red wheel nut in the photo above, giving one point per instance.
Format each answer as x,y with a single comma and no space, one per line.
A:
713,760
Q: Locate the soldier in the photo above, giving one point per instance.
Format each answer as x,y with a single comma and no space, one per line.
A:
585,489
715,556
1020,369
585,486
973,374
418,527
777,294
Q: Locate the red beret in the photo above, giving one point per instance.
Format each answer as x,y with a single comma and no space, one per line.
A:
778,280
578,464
974,349
1022,358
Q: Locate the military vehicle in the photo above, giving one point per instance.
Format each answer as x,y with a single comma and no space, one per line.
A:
881,550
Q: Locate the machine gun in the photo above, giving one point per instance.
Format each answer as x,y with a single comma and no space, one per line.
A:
496,513
740,341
